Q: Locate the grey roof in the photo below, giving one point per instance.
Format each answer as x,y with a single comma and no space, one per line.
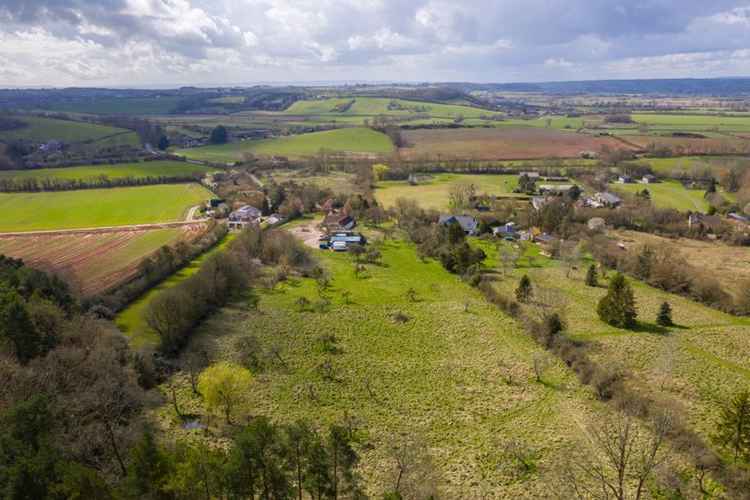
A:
609,198
467,222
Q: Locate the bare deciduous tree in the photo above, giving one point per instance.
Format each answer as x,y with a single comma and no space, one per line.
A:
620,458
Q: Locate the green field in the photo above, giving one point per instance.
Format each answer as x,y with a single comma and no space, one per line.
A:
44,129
138,170
670,194
707,122
435,193
437,378
120,106
356,140
131,320
690,164
98,207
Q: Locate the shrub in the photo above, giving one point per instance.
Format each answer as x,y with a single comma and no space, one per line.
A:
524,292
592,277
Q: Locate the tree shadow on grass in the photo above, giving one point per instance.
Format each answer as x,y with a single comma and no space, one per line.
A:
650,328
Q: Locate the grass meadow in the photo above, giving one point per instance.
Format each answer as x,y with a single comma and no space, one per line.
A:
438,377
669,194
347,140
435,193
91,208
138,170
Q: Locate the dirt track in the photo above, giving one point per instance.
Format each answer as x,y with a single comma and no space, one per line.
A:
309,233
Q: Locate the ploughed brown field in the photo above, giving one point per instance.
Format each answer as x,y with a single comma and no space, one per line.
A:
94,262
503,143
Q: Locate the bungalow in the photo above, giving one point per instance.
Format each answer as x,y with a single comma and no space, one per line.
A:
606,199
243,217
468,223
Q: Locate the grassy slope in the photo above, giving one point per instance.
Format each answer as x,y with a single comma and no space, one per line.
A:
437,376
44,129
131,319
98,207
359,140
700,362
90,172
669,194
435,193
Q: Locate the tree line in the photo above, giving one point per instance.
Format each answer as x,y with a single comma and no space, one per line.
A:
31,184
155,268
174,313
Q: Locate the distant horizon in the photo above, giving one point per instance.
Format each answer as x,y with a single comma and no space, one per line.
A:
343,83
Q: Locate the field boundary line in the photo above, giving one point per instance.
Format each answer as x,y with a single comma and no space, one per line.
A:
106,229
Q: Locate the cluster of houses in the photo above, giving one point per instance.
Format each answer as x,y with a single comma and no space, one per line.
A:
508,231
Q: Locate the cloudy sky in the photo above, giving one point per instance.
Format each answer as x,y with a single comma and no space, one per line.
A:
168,42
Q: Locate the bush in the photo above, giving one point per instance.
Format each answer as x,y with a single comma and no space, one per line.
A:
524,291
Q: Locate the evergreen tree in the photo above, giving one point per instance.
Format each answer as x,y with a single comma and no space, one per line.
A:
592,276
524,292
734,426
617,308
664,318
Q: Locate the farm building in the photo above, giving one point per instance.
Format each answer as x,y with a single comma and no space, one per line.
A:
340,242
243,217
336,221
468,223
625,179
649,179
